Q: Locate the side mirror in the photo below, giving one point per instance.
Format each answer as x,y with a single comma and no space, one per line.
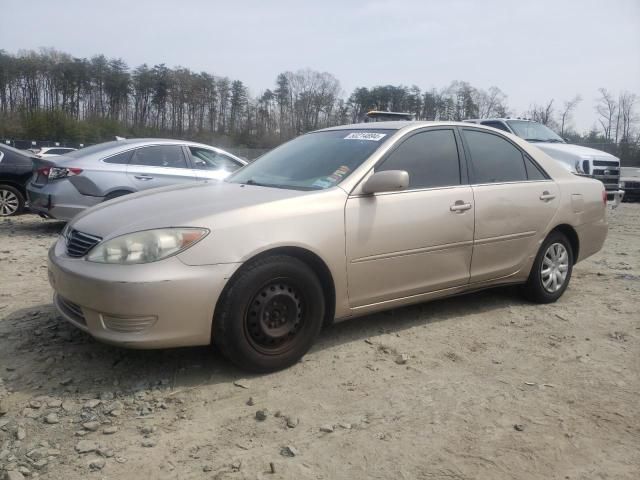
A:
388,181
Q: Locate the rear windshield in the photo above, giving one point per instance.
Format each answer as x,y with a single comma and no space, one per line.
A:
94,149
314,161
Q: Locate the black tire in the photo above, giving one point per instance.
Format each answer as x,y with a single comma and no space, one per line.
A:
269,314
11,201
116,194
535,290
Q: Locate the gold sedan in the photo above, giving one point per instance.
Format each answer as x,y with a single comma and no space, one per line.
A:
334,224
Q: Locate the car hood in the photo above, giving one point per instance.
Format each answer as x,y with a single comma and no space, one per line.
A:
576,152
181,205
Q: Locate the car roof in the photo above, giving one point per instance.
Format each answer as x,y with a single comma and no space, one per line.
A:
9,148
498,119
395,125
116,146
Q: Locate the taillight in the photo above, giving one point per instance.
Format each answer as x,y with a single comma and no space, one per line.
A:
57,172
604,196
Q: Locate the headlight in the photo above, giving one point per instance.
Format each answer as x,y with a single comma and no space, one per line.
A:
621,184
146,246
579,168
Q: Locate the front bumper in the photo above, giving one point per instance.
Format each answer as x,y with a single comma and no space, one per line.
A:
58,199
631,193
157,305
614,197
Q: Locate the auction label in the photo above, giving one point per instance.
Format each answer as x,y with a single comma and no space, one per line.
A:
374,137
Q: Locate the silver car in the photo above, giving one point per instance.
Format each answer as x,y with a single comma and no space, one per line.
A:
63,186
335,224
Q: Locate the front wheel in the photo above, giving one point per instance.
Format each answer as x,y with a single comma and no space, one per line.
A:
551,270
269,314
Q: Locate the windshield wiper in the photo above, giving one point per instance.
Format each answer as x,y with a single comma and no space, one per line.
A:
251,181
545,140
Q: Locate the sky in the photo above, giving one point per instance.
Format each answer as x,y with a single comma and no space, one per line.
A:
533,50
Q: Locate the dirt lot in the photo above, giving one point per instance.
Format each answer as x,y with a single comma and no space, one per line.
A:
493,387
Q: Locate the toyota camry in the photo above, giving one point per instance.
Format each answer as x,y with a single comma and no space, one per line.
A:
332,225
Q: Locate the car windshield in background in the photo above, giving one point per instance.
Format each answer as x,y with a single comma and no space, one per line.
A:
534,132
314,161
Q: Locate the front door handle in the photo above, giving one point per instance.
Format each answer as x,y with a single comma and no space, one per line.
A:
143,177
460,206
546,196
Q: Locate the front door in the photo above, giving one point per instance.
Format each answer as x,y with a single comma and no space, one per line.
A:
414,241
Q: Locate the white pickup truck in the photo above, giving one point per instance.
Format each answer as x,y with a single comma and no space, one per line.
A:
582,160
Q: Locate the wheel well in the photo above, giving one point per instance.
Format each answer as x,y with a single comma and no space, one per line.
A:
317,265
120,191
572,235
15,185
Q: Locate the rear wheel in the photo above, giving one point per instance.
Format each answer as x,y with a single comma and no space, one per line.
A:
11,201
270,314
551,270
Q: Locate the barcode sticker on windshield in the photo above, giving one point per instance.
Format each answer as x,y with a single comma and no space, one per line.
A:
374,137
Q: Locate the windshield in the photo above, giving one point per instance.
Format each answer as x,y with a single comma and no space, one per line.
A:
314,161
534,132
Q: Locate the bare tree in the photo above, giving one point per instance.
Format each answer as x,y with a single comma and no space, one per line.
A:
491,103
626,112
542,113
565,116
606,108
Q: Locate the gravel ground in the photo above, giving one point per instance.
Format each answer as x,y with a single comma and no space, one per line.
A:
480,386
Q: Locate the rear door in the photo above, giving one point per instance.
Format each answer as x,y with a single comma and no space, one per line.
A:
158,166
514,202
210,164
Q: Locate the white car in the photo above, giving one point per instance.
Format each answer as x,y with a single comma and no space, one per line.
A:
575,158
47,152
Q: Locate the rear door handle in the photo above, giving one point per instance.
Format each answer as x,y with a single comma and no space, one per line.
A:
547,196
143,177
460,206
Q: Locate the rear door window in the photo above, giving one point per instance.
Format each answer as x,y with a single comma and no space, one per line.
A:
533,171
430,158
493,158
168,156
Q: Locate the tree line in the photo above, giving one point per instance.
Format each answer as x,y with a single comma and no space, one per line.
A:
52,95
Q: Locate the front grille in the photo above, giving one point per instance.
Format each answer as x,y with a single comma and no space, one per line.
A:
71,309
78,243
605,163
609,172
632,184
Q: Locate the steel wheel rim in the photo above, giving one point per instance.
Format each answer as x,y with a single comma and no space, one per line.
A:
554,268
274,318
8,203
